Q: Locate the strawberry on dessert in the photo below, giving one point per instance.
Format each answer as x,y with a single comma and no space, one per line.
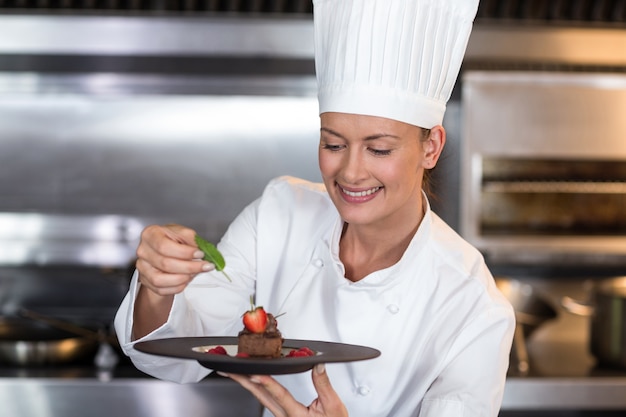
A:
255,320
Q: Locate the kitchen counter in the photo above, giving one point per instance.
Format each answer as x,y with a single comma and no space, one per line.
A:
69,391
565,393
137,397
83,393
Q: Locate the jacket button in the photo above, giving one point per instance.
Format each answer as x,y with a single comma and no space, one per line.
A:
318,263
393,309
363,390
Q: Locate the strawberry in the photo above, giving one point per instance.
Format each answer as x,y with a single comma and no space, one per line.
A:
255,320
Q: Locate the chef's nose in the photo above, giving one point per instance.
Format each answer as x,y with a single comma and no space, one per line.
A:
354,168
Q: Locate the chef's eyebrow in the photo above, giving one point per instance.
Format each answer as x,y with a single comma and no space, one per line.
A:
370,137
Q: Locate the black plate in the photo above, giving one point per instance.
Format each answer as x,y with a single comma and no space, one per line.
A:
196,348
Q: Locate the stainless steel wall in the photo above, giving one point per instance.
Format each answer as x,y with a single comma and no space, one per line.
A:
74,158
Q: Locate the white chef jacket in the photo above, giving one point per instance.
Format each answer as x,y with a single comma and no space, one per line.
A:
442,326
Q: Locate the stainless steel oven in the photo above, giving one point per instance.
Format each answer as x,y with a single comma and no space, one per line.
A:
544,166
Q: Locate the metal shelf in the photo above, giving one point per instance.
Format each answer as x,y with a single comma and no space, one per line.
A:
551,187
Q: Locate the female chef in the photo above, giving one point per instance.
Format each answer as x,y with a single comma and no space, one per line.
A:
360,259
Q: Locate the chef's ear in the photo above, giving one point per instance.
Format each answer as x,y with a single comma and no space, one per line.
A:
433,146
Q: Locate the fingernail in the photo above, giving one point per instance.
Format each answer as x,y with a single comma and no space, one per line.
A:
224,374
255,379
198,254
208,267
320,368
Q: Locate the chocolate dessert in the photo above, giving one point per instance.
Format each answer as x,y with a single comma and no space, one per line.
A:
266,344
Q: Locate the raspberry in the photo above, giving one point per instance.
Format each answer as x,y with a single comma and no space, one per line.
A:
297,354
301,352
242,355
218,350
306,350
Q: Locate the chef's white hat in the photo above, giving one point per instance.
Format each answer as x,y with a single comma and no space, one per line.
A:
397,59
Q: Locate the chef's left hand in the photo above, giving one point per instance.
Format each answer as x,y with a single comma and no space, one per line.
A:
281,403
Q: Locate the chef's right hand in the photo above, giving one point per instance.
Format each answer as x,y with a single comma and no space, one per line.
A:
168,259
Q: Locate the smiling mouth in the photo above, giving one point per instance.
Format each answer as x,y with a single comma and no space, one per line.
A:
360,193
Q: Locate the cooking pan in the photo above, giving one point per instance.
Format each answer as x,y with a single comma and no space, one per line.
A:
607,311
531,311
29,342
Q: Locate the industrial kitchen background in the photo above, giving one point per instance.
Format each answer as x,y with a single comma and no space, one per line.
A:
116,114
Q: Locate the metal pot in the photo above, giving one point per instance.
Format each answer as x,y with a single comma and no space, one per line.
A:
28,342
607,312
531,311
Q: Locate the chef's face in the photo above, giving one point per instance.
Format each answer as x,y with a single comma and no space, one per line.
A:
373,167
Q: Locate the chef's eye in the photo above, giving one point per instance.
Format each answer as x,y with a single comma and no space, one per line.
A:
332,148
380,152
